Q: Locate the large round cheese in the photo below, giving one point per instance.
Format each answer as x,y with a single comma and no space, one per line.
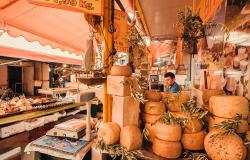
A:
228,106
153,96
168,132
208,93
173,101
155,108
193,141
193,125
248,146
242,128
109,132
166,149
227,147
131,138
121,71
150,118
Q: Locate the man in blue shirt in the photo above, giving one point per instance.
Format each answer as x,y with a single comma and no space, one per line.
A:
172,86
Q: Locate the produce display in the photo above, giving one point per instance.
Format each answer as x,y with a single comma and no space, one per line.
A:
16,104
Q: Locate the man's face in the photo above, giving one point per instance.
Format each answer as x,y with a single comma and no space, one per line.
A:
169,81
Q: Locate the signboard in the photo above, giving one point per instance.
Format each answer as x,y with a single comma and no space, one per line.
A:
95,7
208,8
120,35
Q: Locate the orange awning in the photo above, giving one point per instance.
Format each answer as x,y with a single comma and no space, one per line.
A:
63,29
18,53
58,28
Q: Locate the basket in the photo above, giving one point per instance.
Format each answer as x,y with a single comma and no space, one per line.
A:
90,81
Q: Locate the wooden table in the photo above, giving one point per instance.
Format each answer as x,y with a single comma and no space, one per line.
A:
36,113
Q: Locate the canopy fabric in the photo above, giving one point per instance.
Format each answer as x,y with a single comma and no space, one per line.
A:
161,16
58,28
24,54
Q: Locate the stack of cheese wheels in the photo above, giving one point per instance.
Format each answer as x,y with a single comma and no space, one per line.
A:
152,111
167,140
225,146
173,101
225,108
193,134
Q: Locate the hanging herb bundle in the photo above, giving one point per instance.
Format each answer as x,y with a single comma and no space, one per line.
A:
137,84
192,28
133,38
137,48
117,151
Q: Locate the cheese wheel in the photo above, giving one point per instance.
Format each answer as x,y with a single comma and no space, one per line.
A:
193,125
154,108
153,96
242,128
193,141
173,101
208,93
131,138
150,118
166,149
227,147
168,132
151,130
109,132
248,146
121,71
228,106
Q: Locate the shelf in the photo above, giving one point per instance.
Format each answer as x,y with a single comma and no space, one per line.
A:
37,113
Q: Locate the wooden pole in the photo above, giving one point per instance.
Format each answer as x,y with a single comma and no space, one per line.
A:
107,58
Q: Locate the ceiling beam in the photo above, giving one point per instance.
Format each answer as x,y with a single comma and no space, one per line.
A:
141,15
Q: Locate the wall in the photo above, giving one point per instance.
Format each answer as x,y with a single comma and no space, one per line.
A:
42,74
4,75
28,80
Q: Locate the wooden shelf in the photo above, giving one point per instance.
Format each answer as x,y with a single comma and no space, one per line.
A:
36,113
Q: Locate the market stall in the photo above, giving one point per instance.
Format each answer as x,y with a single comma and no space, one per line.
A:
171,81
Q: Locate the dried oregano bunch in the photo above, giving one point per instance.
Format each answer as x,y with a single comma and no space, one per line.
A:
195,156
228,126
137,84
192,108
117,151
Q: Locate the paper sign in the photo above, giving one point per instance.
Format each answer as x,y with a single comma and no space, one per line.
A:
95,7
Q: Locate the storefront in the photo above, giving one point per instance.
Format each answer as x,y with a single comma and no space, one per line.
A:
124,79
